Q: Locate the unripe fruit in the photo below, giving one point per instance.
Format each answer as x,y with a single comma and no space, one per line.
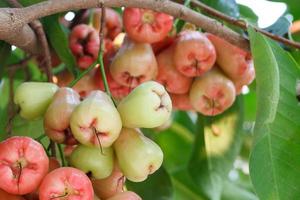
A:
194,54
23,164
212,93
146,26
66,183
93,161
34,98
138,156
147,106
126,196
108,187
134,64
173,80
6,196
57,117
84,44
234,61
96,121
181,102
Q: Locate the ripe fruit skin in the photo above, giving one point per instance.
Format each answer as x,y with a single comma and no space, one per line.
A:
66,183
57,117
6,196
23,164
84,44
84,86
108,187
128,195
181,102
173,80
96,118
194,54
246,79
147,106
146,26
34,98
92,160
134,64
234,61
137,155
113,22
212,93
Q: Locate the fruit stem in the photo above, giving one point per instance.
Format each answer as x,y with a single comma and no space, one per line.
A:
40,137
100,54
82,74
63,162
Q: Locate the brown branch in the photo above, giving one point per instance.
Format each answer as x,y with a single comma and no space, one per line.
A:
242,24
11,19
37,26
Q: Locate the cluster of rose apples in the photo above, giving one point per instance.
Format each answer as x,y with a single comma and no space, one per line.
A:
103,142
201,71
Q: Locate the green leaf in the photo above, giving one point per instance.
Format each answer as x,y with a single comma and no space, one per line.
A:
247,14
217,145
293,7
59,41
275,158
229,7
234,192
4,55
158,186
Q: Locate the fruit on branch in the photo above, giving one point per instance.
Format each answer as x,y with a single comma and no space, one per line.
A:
66,183
147,106
34,98
97,163
165,43
181,102
58,114
234,61
96,121
23,165
84,44
6,196
246,79
113,22
128,195
84,86
134,64
108,187
137,155
212,93
194,54
174,81
146,26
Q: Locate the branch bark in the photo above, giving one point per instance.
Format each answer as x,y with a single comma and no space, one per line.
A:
14,20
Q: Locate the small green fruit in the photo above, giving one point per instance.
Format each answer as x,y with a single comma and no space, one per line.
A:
34,98
96,121
138,156
147,106
92,160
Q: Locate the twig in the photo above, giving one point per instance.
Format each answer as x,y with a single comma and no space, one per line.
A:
52,148
242,24
38,28
100,54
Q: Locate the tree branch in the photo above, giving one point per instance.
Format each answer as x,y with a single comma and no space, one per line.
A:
12,19
242,24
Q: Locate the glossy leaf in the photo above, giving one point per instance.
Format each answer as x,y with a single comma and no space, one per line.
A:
247,14
275,157
216,146
59,41
229,7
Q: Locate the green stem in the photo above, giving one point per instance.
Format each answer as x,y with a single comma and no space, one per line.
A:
103,75
40,137
63,162
82,74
